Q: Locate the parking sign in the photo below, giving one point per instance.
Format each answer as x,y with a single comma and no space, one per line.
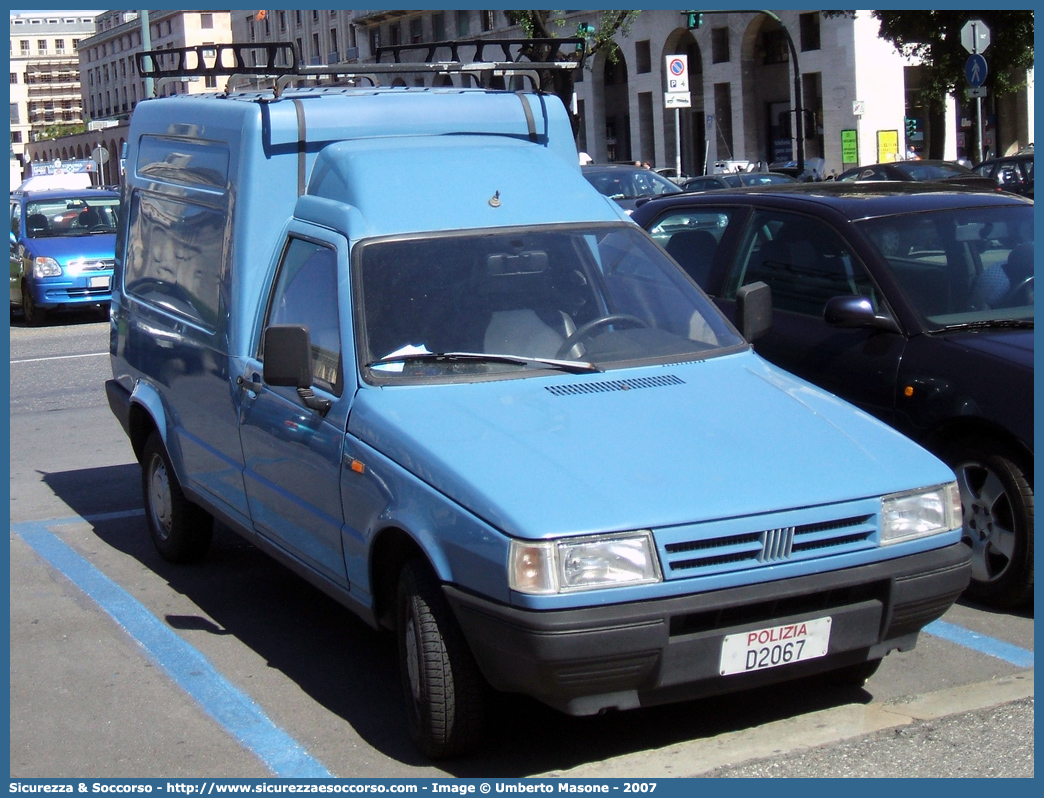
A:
677,73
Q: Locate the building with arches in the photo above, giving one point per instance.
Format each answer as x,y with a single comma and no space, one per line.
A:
854,90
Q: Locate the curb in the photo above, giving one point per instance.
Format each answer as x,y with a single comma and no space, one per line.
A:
824,727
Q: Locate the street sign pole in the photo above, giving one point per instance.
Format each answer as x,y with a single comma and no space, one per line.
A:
677,143
978,123
975,37
678,83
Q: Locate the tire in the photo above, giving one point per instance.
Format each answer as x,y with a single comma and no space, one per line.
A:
444,691
33,314
997,504
855,675
180,530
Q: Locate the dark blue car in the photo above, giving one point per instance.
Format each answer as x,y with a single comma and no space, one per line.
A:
913,303
63,245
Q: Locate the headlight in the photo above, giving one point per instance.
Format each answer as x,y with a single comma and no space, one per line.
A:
918,514
46,267
583,563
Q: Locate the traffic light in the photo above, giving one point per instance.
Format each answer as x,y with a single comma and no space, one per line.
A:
911,127
586,32
693,19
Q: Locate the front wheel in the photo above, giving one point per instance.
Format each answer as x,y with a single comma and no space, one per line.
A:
180,530
997,505
33,314
445,692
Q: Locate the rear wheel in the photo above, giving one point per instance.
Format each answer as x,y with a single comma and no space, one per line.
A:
997,504
445,692
180,530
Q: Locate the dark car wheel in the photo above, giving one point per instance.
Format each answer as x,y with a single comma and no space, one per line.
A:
997,502
180,529
445,692
33,314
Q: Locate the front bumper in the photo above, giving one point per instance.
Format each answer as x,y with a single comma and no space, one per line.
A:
624,656
60,292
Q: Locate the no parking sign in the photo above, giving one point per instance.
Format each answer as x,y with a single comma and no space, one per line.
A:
677,73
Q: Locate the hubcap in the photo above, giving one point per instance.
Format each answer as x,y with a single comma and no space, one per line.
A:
412,658
159,497
989,521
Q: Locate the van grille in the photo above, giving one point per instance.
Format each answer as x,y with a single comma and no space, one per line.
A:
708,553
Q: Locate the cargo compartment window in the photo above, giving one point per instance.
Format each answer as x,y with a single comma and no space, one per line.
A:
306,293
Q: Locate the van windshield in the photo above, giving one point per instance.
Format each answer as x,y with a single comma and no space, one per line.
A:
496,302
72,216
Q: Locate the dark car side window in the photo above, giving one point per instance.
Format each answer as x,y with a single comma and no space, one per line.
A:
803,260
306,293
16,218
691,236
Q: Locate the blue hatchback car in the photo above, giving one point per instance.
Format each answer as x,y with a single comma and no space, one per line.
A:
63,245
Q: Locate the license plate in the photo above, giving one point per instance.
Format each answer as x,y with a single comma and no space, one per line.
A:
99,282
777,645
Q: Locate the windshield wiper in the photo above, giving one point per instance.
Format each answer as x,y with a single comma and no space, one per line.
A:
1018,324
572,366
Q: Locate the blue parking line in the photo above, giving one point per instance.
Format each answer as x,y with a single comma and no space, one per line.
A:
1019,657
185,665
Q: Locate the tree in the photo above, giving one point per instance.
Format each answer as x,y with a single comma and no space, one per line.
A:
934,39
56,131
545,25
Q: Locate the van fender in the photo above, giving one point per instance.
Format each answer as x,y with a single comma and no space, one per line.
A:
147,412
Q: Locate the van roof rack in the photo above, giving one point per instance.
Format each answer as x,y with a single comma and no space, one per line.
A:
280,61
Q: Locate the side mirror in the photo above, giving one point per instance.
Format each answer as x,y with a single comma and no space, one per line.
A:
288,356
288,361
14,240
856,311
754,310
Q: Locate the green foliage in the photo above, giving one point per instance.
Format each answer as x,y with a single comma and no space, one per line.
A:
57,131
599,36
934,37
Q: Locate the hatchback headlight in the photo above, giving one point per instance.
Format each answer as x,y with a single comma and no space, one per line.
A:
46,267
920,513
587,563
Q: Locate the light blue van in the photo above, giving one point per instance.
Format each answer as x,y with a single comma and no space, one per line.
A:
394,337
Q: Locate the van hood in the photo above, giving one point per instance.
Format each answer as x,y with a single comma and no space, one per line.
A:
651,447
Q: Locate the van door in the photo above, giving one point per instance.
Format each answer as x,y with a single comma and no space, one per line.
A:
292,454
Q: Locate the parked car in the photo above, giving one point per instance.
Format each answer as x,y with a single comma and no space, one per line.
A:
670,173
1013,173
63,246
628,185
736,180
919,171
914,303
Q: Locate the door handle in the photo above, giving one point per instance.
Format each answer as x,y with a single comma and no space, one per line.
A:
253,384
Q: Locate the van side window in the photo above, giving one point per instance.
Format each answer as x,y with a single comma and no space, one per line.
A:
306,293
175,257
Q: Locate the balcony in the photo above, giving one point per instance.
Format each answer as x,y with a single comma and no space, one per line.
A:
377,17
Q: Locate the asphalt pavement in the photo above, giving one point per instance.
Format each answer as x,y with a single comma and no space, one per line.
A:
90,697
